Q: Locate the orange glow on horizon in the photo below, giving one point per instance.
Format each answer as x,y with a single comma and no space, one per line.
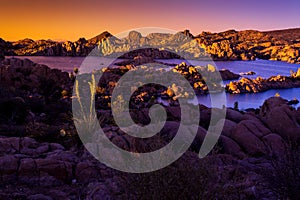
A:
72,19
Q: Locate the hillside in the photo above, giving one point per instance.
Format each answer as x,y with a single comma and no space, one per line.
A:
283,45
289,35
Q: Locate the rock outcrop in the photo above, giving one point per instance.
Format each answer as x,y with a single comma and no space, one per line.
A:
229,45
249,45
35,170
34,99
41,156
281,118
247,73
28,47
34,78
228,75
59,172
247,85
246,135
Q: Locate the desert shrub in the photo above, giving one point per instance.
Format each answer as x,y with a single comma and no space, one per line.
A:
172,182
188,178
284,176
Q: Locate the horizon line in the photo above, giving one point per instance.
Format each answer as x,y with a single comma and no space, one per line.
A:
66,40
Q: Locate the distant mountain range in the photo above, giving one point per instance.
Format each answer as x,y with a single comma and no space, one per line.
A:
281,45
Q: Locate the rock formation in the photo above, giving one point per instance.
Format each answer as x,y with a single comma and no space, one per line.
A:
247,85
280,45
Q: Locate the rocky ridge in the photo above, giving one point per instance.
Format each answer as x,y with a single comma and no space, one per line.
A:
280,45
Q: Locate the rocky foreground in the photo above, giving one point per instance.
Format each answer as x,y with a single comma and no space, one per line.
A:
280,45
41,156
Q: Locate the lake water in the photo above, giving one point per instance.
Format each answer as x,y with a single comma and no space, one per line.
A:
251,100
263,68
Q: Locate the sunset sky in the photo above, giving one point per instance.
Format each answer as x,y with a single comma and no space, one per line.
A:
71,19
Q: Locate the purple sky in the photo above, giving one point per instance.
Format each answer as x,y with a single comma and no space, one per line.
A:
71,19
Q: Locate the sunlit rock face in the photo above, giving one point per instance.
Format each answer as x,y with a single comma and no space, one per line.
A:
259,84
283,45
163,45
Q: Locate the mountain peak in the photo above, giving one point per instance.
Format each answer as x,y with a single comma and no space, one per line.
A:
187,33
100,37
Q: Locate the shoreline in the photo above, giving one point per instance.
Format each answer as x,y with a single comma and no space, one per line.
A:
158,59
260,92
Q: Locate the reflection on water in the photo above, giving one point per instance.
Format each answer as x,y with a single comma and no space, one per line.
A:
62,63
263,68
251,100
69,63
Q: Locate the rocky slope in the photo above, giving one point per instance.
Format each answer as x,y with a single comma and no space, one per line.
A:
281,45
81,47
249,45
289,35
32,99
41,156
